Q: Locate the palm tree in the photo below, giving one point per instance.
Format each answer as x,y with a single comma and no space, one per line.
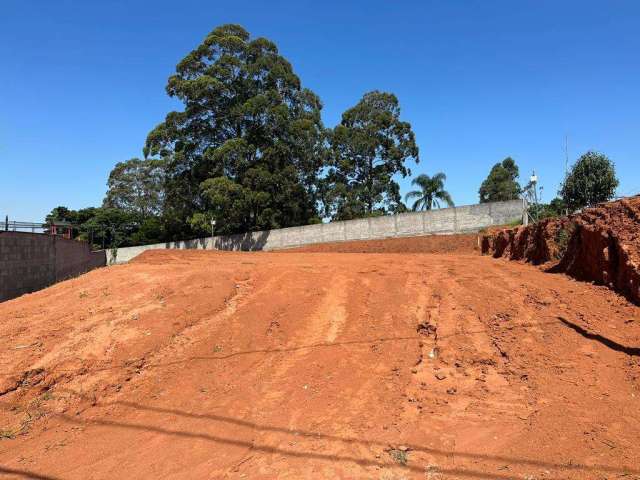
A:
430,193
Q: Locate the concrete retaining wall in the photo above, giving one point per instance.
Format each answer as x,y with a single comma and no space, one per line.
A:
32,261
465,219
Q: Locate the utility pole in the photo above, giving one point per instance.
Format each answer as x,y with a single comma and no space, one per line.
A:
213,224
534,185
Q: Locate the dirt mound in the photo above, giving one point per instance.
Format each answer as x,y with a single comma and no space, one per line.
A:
537,243
423,244
195,365
601,245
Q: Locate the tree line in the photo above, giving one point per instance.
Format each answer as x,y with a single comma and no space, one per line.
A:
249,151
591,180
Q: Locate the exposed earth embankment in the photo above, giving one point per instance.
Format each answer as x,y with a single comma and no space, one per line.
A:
600,244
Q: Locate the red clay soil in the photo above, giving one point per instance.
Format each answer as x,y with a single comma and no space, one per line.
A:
601,245
462,243
221,365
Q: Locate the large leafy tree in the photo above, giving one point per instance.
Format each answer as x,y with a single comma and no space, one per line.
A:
368,148
136,186
107,227
61,214
130,211
501,183
591,180
431,192
248,124
229,199
75,217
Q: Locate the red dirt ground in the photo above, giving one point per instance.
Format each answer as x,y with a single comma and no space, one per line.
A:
208,365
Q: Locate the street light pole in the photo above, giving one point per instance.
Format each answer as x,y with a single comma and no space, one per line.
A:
213,224
534,183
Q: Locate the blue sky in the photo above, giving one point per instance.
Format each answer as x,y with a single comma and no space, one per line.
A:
82,83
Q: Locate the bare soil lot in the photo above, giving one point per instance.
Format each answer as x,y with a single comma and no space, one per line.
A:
203,365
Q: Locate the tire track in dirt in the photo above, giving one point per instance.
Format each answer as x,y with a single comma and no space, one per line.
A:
458,382
337,382
556,371
316,368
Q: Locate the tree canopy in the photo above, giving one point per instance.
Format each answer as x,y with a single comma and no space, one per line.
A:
107,227
502,182
62,214
249,125
368,147
431,192
592,179
249,150
136,186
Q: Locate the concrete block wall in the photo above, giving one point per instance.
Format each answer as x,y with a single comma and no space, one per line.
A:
27,263
74,258
32,261
446,221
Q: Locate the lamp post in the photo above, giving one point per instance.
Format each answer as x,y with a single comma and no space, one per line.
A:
213,224
534,185
534,182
